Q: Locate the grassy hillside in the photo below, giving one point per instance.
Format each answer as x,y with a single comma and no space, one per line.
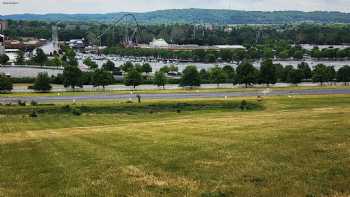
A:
295,146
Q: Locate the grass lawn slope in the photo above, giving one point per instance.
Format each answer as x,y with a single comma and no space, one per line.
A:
282,146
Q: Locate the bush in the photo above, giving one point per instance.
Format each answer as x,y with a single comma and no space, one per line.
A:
243,105
6,84
76,112
66,108
42,83
33,103
21,103
33,114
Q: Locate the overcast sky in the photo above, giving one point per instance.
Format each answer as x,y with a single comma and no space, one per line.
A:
107,6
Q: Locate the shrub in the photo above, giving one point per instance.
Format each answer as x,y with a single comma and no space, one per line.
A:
21,103
33,103
6,84
66,108
243,105
76,112
33,114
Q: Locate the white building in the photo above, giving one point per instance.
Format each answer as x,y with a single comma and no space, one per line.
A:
159,43
12,54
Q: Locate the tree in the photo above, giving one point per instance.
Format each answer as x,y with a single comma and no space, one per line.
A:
190,77
331,73
343,75
20,58
127,66
160,79
285,72
165,69
72,76
146,68
133,78
109,65
173,68
320,74
204,75
91,64
230,72
295,76
42,83
299,54
210,57
305,69
6,84
217,75
246,74
279,72
56,61
138,68
102,78
40,57
268,72
4,59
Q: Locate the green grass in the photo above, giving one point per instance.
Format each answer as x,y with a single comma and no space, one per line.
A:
280,147
160,91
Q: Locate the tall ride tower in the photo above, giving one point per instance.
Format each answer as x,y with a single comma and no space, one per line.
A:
55,38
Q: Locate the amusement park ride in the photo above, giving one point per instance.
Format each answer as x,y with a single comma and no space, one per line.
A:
130,28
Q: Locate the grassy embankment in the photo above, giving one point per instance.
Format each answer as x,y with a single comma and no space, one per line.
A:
280,147
100,91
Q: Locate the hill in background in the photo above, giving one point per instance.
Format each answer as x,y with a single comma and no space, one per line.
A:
200,16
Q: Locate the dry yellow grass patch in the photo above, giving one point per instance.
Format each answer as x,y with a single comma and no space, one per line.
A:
162,179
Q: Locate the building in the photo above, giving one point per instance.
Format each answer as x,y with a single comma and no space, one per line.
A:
159,43
3,26
12,54
77,43
162,44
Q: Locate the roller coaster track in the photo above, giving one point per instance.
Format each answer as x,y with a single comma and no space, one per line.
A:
127,40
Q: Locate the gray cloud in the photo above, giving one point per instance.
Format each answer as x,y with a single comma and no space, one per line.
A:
104,6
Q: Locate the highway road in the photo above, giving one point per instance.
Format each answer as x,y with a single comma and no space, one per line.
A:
48,99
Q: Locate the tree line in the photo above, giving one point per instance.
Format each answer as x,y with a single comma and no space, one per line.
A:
245,74
311,33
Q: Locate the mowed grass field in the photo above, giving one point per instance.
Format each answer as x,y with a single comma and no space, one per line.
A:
100,91
282,146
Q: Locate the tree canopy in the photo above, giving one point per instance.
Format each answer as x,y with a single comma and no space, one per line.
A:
190,77
42,83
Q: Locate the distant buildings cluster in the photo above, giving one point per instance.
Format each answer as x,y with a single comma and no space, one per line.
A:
162,44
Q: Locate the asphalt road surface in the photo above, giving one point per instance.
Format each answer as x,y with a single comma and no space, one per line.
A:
48,99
